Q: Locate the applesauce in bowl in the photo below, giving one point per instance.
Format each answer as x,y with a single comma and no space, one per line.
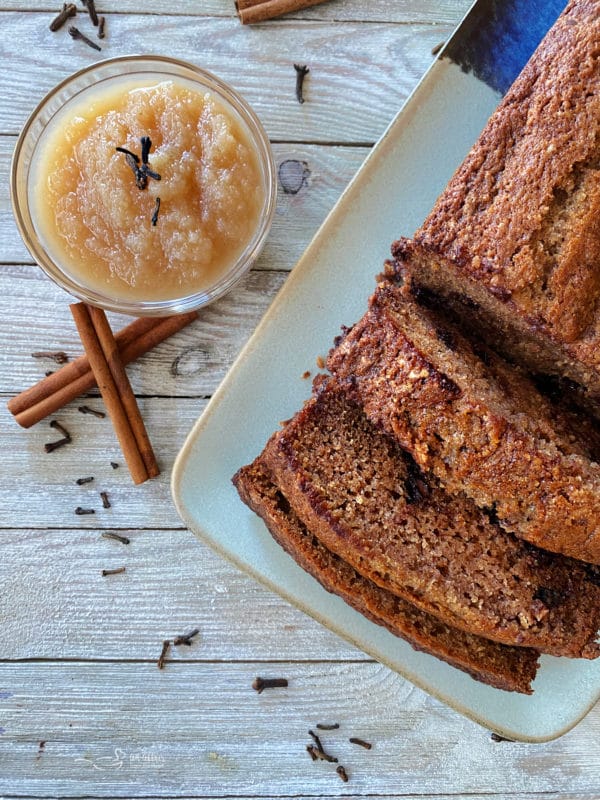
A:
144,185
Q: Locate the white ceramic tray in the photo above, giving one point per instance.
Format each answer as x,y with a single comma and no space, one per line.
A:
390,196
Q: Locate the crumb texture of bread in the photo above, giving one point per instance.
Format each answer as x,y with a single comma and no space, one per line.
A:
507,668
517,230
463,418
367,501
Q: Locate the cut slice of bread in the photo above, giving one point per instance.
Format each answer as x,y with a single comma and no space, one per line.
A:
508,668
366,500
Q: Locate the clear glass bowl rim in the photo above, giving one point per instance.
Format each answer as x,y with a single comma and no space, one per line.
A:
156,64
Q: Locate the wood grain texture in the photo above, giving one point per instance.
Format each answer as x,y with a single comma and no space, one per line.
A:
60,605
360,74
432,11
199,729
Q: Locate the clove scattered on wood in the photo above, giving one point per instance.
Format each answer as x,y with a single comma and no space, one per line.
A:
91,9
81,481
92,411
331,727
75,33
342,773
105,500
163,654
360,742
68,10
114,465
116,536
58,355
186,638
315,754
83,511
116,571
49,447
495,737
259,684
101,27
301,72
436,48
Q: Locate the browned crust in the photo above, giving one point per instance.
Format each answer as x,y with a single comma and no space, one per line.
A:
519,223
507,668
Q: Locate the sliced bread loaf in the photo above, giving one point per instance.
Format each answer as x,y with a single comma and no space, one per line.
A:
509,668
366,500
481,427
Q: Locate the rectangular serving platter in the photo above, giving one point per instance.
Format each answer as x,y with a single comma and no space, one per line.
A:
390,196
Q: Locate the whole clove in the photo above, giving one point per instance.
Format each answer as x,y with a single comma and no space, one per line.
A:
163,654
342,773
92,411
75,33
105,500
259,684
116,536
114,465
301,72
324,727
143,172
315,754
360,742
156,210
49,447
60,428
101,26
317,741
68,10
495,737
59,355
186,638
116,571
81,481
91,9
83,511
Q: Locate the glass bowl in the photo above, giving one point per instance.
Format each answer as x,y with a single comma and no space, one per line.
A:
71,94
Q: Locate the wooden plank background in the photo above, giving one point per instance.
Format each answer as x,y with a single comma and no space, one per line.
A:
84,712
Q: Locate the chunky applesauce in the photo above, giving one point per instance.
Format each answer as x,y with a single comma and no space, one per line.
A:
101,221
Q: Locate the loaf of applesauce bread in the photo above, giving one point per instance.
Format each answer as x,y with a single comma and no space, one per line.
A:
508,668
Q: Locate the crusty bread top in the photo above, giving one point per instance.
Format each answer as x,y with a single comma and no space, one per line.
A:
522,213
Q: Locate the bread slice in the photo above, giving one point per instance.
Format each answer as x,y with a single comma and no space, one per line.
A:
514,240
508,668
474,422
366,500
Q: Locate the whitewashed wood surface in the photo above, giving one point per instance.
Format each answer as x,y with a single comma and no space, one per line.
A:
84,712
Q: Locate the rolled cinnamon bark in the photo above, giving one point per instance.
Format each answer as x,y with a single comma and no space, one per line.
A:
76,378
251,11
110,392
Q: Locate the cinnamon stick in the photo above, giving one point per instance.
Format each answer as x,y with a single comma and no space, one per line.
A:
252,11
110,392
111,354
76,378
